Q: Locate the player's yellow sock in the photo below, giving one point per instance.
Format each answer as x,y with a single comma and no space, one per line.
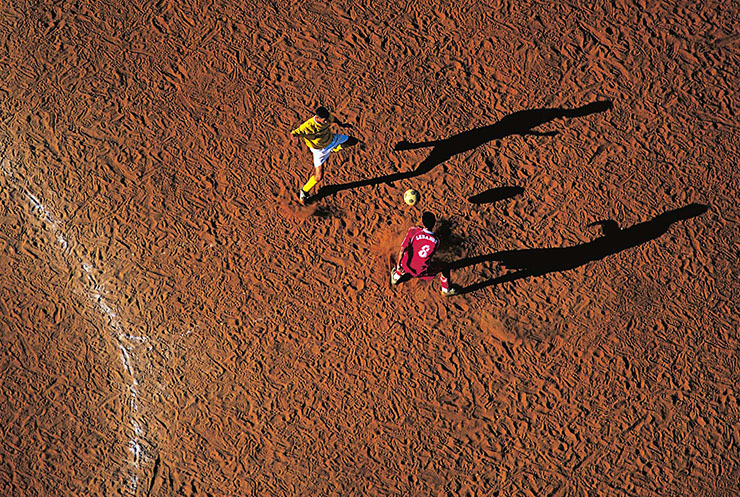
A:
310,184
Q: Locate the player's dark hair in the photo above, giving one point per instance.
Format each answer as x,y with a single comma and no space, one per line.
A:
428,220
322,112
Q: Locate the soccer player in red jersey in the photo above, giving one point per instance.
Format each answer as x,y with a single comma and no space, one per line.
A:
415,258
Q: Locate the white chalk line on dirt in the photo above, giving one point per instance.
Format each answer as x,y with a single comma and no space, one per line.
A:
93,291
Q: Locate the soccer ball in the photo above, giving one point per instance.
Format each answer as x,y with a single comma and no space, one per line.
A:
411,196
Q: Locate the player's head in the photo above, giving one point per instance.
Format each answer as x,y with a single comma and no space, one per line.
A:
428,220
322,113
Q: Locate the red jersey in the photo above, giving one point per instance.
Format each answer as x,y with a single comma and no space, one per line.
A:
418,248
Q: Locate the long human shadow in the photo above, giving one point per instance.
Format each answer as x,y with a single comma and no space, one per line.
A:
537,262
518,123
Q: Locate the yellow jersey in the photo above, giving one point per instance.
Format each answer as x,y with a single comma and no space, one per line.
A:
321,133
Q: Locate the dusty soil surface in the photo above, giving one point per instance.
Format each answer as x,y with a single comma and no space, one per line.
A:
173,322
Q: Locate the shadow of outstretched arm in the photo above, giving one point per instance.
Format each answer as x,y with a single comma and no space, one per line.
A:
537,262
406,145
495,194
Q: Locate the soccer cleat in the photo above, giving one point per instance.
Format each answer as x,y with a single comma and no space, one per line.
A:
395,276
302,197
449,291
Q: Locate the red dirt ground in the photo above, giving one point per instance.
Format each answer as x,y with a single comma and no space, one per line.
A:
174,323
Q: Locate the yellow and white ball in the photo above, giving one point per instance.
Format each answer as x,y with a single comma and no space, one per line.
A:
411,197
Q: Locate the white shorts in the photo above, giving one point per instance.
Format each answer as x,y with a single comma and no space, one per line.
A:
321,154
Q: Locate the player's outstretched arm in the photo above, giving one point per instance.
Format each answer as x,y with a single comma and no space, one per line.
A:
303,135
404,247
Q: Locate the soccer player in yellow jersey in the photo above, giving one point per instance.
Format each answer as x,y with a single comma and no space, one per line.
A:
321,141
